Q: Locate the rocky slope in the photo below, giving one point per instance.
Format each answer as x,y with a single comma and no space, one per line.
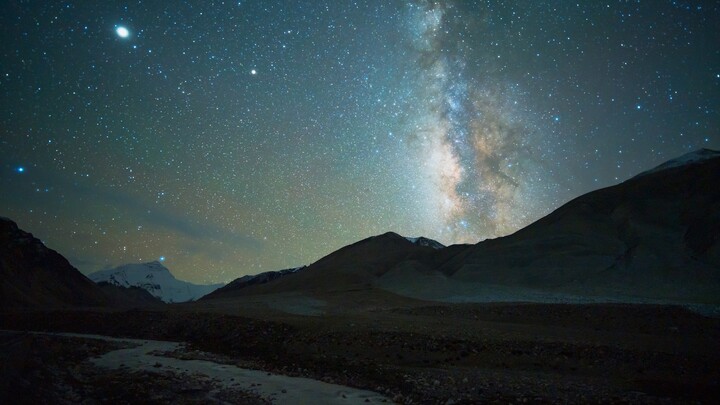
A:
250,280
32,275
655,236
129,296
350,268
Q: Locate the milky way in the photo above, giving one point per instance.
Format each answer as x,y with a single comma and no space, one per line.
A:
231,138
475,146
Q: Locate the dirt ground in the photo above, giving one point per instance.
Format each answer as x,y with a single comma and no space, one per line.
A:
414,353
39,369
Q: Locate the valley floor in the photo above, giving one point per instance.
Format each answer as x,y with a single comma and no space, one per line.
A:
420,353
194,376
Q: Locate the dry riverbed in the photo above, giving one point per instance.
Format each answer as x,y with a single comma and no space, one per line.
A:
434,354
74,368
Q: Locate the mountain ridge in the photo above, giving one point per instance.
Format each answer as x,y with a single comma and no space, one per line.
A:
653,237
643,237
689,158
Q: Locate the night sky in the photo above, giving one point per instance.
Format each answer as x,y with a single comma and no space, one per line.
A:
230,138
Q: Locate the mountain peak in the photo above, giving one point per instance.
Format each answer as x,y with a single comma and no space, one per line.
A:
8,222
690,158
423,241
9,228
389,234
153,265
156,279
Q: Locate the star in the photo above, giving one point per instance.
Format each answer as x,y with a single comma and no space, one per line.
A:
122,32
416,128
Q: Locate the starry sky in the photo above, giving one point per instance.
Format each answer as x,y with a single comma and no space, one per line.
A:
234,137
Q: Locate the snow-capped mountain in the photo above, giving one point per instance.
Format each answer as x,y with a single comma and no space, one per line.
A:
423,241
694,157
156,279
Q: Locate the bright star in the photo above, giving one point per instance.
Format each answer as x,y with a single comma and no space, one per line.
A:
253,72
122,32
162,258
20,169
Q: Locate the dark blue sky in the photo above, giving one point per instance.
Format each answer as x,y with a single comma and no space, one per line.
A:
238,137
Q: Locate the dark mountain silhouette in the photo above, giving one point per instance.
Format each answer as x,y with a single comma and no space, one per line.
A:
129,296
352,267
654,237
31,275
423,241
250,280
34,276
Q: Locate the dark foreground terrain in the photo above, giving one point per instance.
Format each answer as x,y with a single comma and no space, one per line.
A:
55,369
419,353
